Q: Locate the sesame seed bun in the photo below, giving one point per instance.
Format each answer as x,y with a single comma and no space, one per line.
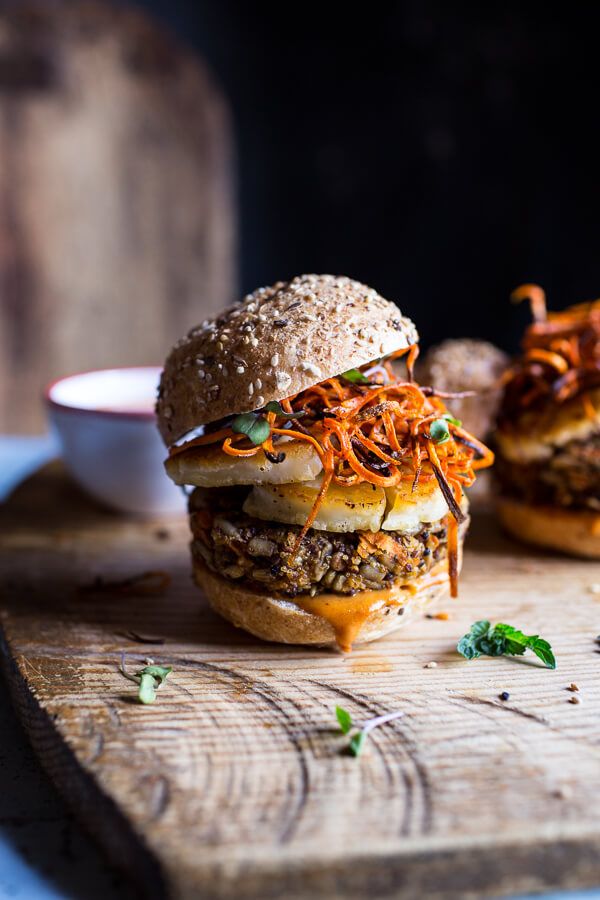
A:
283,621
279,341
570,531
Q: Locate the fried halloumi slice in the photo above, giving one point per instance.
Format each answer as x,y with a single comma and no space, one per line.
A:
211,467
354,508
408,510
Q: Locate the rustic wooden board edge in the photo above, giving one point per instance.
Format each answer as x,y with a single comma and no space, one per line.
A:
107,825
572,861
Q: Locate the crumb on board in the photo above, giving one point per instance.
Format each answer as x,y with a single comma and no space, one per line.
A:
430,665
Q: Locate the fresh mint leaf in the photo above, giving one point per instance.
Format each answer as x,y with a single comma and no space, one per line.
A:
344,719
253,426
503,640
355,376
543,651
468,646
439,431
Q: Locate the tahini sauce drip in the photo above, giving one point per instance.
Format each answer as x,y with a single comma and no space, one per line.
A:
347,614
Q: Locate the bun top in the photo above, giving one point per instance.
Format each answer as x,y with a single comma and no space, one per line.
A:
280,340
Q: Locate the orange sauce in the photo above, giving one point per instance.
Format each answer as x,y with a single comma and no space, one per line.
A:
370,666
347,614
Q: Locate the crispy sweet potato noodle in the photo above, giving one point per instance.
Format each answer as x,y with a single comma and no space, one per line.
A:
376,432
560,359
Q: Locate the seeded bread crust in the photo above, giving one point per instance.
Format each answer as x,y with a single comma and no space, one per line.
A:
279,341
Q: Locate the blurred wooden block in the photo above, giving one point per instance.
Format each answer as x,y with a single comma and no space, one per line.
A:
116,201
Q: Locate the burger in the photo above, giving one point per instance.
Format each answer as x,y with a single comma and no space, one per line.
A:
548,433
328,493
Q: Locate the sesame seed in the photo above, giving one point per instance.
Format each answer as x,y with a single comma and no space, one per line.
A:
574,699
430,665
283,380
310,369
275,360
240,370
250,389
260,401
573,687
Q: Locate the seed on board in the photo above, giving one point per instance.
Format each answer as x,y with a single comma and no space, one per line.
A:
574,699
504,695
430,665
573,687
594,588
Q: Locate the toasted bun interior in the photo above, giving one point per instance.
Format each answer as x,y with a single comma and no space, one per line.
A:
281,340
574,532
346,620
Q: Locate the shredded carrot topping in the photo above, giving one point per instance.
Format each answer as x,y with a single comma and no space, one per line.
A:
560,359
376,432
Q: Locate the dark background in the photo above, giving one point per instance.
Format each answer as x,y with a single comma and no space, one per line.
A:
442,152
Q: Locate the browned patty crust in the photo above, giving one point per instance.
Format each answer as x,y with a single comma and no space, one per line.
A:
260,554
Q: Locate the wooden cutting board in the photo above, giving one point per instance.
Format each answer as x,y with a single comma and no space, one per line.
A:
234,784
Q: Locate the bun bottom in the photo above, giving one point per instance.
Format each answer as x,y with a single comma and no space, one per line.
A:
574,532
365,616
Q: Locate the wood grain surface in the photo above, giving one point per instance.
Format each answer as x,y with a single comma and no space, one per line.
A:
235,782
116,195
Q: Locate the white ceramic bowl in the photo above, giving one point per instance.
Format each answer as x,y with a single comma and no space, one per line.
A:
106,425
